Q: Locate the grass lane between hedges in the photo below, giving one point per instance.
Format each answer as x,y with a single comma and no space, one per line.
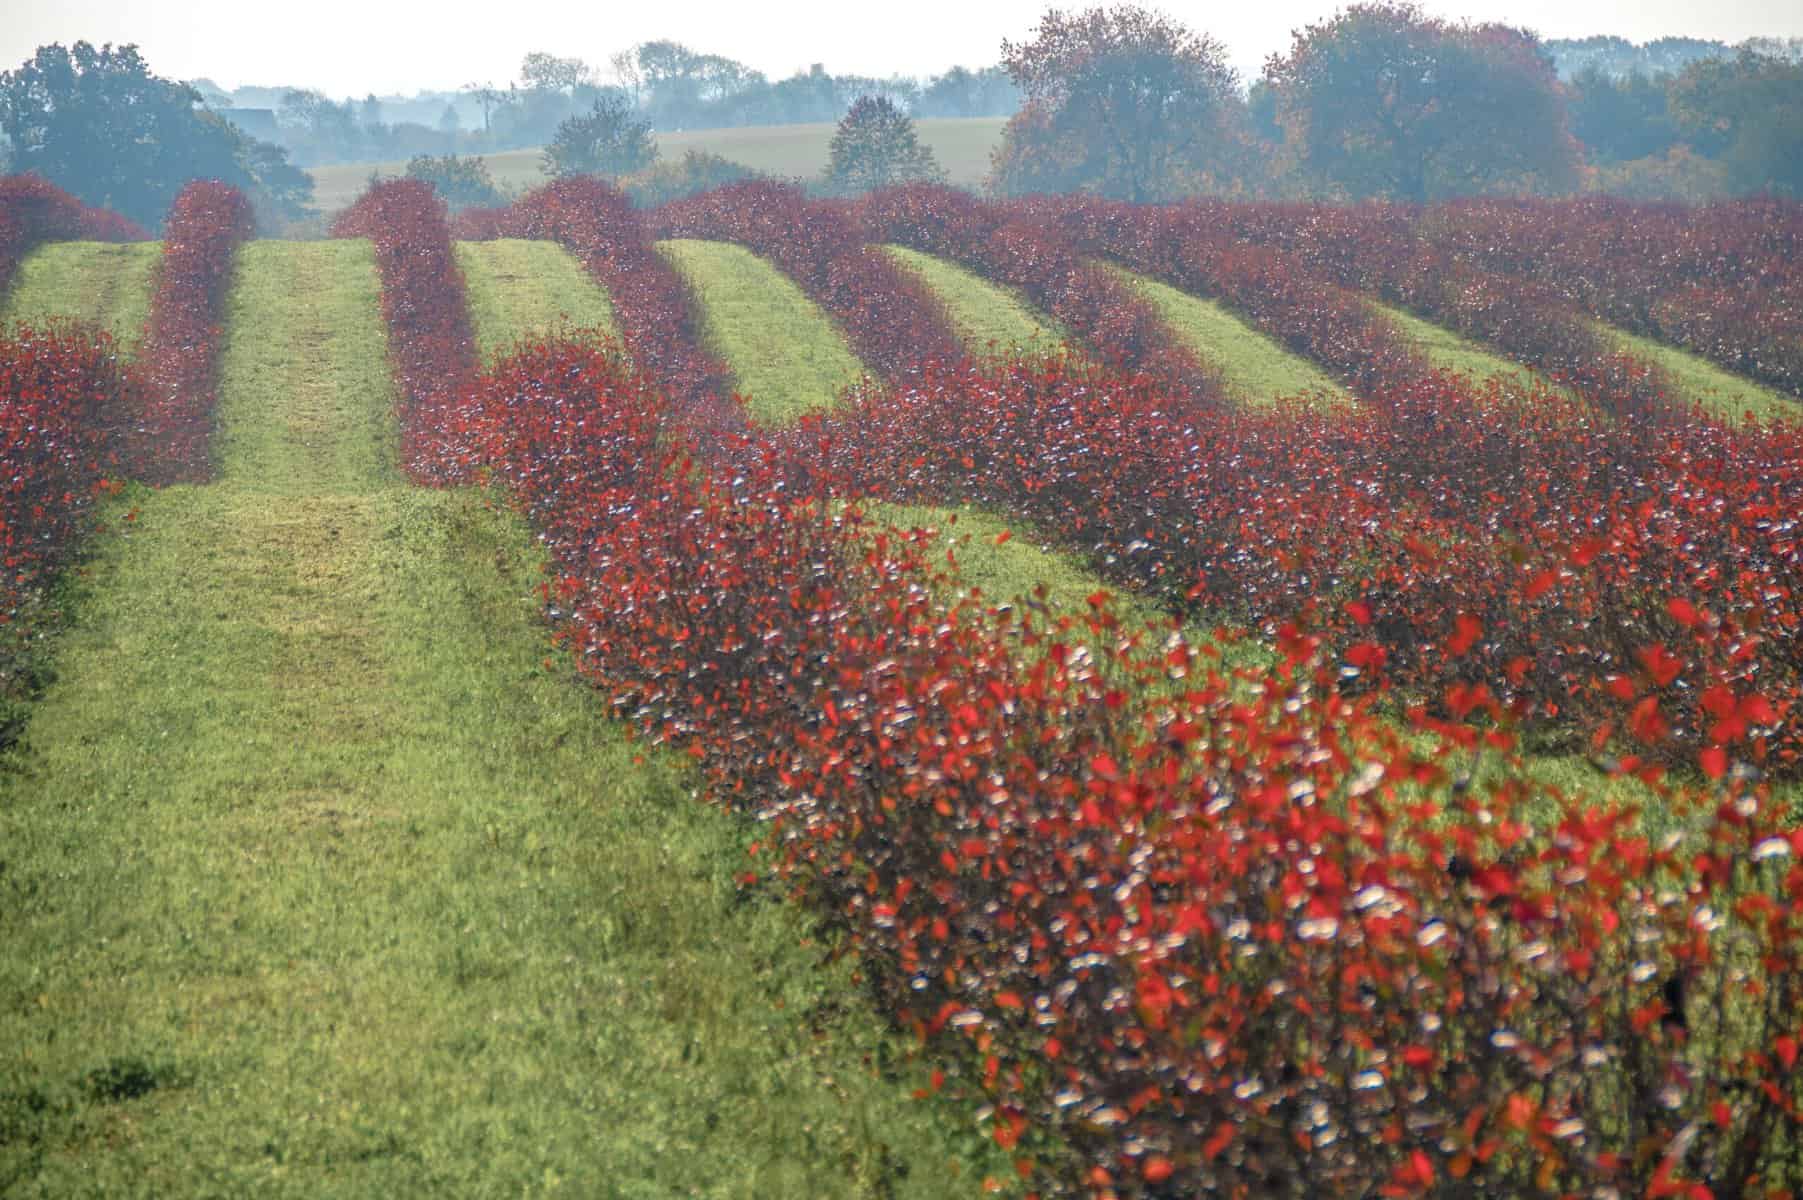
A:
322,876
518,288
988,318
105,283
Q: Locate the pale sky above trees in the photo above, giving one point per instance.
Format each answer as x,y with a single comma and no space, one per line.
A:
352,48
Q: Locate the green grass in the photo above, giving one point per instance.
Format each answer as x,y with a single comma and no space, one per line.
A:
517,288
961,144
988,318
320,879
1450,352
786,354
105,283
1699,380
1256,368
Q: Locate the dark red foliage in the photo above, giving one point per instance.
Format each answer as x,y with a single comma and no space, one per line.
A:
598,224
33,211
429,339
891,319
64,398
1221,933
1016,247
1724,281
178,358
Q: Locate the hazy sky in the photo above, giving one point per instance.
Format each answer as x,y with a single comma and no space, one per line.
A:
347,47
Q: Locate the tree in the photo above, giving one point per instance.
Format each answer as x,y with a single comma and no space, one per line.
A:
548,73
607,140
99,124
1122,102
459,182
1381,101
875,146
1619,119
1746,111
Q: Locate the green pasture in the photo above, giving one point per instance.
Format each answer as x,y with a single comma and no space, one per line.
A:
962,145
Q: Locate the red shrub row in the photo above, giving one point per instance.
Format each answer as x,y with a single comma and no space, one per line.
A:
598,224
1276,293
892,320
1223,935
178,358
1383,250
1443,539
64,398
429,339
1724,281
33,210
1011,245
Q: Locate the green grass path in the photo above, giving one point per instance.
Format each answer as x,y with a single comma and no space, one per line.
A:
103,282
788,356
516,287
317,879
988,318
1256,368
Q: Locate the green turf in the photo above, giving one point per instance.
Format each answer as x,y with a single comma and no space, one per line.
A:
321,879
962,145
102,282
1257,368
989,319
1700,381
518,288
1450,352
786,354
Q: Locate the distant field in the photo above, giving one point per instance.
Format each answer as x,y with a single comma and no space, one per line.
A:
962,144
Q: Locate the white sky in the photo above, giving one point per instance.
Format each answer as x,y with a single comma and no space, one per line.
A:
352,47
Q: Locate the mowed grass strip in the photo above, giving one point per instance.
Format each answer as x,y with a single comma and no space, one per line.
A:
105,283
1699,381
323,878
519,288
1257,368
785,352
988,318
1449,351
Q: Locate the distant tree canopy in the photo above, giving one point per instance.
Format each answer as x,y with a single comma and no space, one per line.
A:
1122,102
97,123
875,146
696,171
1382,101
459,182
1748,113
610,139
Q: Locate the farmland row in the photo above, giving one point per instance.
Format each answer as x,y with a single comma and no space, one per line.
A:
712,611
1096,836
323,883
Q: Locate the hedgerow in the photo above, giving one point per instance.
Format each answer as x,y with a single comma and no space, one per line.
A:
178,357
1303,929
34,211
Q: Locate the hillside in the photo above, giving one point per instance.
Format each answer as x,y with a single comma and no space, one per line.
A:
962,145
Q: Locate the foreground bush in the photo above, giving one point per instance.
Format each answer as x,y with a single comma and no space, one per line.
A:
1224,934
64,400
178,357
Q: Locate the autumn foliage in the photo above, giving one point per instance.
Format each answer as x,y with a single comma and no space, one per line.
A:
33,211
178,358
1309,926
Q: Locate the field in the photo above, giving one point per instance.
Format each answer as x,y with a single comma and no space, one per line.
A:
961,144
925,697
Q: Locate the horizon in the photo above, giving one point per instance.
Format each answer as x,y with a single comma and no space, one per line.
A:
207,39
